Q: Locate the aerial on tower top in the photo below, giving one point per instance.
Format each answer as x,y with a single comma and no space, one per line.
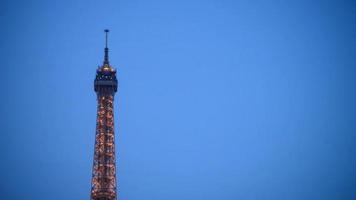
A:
106,37
106,56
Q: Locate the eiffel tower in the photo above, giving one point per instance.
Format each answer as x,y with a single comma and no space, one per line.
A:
104,167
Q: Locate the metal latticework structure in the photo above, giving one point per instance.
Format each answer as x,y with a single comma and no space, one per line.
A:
104,168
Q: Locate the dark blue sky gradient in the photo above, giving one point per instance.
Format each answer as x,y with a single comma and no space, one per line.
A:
218,100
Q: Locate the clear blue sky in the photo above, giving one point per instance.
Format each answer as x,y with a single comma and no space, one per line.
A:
218,100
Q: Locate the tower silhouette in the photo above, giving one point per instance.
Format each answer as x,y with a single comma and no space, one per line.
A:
104,167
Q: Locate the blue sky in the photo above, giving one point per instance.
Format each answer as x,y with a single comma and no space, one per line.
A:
217,99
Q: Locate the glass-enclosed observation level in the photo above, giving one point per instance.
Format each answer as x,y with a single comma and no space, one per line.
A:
105,79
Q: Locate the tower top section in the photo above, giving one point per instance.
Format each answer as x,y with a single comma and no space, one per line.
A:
106,65
105,80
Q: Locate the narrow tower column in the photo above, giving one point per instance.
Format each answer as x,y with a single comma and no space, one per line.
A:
104,165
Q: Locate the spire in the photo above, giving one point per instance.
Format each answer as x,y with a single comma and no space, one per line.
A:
106,56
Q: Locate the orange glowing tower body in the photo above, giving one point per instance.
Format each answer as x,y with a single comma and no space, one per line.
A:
104,167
